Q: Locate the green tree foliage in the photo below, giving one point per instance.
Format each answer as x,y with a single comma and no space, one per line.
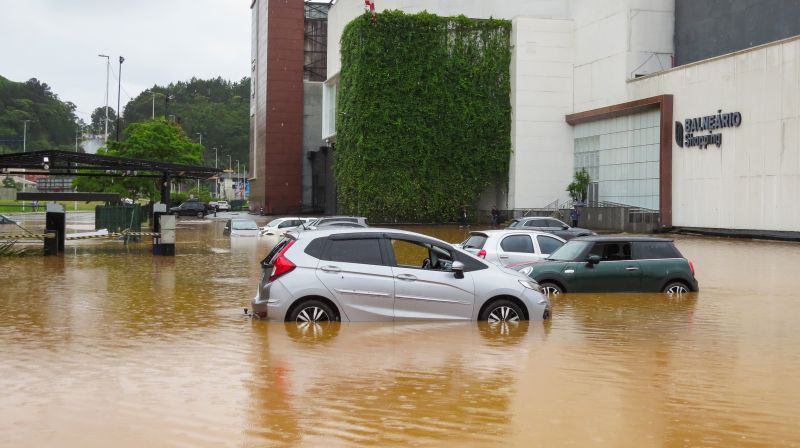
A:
52,122
217,108
155,140
423,114
98,125
579,187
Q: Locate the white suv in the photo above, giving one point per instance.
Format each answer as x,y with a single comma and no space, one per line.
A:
370,274
511,247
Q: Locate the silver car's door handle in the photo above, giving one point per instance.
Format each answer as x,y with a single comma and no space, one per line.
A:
331,269
406,277
503,256
631,268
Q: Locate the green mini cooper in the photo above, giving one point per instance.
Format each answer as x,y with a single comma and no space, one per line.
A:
615,264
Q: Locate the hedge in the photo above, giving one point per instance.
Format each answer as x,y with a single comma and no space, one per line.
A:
423,115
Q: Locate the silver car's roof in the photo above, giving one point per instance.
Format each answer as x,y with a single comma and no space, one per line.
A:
324,232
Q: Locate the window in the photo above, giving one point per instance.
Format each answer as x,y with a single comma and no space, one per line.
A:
244,225
547,244
517,243
514,223
572,251
535,223
321,221
649,250
287,223
411,254
363,251
612,251
555,223
475,241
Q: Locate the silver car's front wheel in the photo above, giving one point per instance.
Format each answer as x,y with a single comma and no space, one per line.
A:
502,310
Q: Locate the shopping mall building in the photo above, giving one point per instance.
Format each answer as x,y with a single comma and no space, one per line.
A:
690,108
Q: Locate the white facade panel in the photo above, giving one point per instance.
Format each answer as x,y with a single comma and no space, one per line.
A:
541,95
753,179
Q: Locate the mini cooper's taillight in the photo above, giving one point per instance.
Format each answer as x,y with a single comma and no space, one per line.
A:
482,254
281,265
691,266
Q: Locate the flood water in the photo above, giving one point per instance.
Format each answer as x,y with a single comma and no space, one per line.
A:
110,346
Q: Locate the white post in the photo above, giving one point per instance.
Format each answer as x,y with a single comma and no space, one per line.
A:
154,106
25,135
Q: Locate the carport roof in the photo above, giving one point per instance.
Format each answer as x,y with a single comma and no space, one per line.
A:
68,163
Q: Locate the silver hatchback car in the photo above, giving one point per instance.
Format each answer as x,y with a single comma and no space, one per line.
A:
371,274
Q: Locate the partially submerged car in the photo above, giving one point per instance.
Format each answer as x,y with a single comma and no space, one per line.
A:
327,220
615,264
549,225
190,208
241,227
369,274
279,226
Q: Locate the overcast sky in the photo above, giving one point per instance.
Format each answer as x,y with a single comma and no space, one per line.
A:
57,41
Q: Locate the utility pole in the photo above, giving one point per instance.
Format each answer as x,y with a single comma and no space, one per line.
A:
108,67
230,165
154,106
237,178
119,88
215,158
25,135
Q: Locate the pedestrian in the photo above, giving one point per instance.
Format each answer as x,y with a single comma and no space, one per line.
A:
495,216
463,216
35,206
574,215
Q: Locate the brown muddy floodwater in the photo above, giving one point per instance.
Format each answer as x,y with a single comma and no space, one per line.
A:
110,346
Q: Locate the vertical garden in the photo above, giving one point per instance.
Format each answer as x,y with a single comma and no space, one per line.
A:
423,114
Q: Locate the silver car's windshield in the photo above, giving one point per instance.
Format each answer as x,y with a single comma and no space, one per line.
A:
244,225
569,251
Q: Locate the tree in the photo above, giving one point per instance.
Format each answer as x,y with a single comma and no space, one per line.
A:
579,187
155,140
98,125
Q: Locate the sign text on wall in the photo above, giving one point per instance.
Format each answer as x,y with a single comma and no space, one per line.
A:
685,132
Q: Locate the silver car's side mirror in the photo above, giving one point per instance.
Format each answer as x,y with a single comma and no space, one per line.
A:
458,268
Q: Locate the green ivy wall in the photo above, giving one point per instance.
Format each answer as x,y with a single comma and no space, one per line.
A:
423,115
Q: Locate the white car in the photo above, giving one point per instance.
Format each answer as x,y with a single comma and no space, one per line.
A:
223,206
508,247
279,226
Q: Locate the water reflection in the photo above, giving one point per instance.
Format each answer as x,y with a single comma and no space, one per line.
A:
387,384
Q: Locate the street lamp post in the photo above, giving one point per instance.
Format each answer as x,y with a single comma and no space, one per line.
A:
201,137
108,67
238,179
119,88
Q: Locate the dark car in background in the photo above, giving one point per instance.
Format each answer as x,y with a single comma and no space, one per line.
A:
190,208
549,225
615,264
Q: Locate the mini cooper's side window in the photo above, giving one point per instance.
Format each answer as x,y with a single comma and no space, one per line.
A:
653,250
362,251
517,243
612,251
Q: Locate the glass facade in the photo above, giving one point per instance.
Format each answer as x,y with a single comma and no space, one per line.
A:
622,155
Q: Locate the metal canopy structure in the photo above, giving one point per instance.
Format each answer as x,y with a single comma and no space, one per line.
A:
67,163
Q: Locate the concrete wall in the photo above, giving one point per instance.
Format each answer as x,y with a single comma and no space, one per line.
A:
708,28
541,94
753,180
312,131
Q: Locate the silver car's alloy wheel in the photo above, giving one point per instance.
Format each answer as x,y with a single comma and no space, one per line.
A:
677,289
503,314
313,314
550,290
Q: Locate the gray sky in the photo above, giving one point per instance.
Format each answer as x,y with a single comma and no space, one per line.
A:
57,41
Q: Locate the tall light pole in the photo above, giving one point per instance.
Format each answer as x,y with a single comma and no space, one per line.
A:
154,106
108,67
237,178
215,158
201,137
25,135
230,165
119,88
